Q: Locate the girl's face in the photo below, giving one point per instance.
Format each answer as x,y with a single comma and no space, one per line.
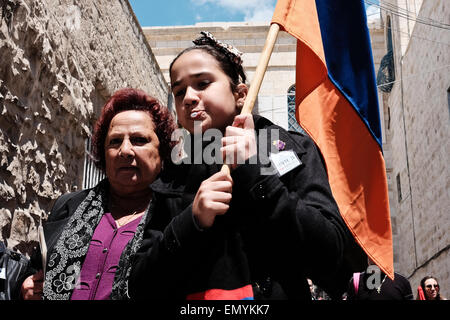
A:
431,289
202,92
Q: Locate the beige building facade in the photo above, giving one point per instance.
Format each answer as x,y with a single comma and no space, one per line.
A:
417,130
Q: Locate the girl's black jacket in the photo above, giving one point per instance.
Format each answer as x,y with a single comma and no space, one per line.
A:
279,231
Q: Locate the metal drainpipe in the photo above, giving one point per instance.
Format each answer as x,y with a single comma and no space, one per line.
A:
407,162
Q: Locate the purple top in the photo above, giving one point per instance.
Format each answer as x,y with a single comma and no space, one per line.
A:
102,258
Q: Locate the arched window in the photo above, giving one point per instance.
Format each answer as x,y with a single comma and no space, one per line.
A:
389,34
386,73
292,121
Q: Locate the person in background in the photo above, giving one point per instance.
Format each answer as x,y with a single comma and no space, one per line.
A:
92,234
316,292
429,289
312,289
374,284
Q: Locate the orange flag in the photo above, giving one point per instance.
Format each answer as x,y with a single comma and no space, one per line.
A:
337,105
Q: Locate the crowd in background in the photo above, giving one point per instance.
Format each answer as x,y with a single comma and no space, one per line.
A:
427,289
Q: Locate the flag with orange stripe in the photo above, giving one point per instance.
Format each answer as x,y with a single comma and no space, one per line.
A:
337,105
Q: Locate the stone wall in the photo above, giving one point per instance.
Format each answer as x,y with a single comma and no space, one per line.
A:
418,135
59,63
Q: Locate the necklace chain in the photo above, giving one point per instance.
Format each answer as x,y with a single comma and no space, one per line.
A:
127,220
379,287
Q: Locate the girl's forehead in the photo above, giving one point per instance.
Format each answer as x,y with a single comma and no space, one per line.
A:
198,52
195,58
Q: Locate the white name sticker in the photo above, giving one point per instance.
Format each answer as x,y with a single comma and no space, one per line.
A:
285,161
2,273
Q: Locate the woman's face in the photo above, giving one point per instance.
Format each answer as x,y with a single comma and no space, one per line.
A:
431,289
202,92
131,152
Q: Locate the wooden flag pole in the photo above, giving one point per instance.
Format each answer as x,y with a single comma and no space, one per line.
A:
261,68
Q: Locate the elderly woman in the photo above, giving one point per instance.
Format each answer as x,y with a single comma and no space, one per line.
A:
92,234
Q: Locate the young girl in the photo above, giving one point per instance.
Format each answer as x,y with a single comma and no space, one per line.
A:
248,234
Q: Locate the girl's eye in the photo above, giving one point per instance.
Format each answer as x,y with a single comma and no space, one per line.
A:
203,84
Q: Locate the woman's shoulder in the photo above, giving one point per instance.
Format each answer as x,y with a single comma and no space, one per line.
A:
66,203
80,194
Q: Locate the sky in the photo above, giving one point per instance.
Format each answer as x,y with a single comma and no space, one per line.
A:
152,13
